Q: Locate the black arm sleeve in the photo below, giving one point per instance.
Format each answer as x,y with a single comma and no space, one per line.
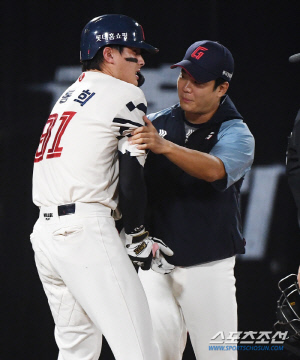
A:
132,192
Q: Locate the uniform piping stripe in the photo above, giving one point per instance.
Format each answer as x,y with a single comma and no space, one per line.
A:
125,121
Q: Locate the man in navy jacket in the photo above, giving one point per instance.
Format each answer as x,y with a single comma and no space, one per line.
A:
200,152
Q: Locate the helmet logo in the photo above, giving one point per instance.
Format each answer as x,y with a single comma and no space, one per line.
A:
111,36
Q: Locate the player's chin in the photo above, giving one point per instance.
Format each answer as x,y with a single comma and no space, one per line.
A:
133,81
184,105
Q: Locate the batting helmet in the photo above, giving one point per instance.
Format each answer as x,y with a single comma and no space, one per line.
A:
112,29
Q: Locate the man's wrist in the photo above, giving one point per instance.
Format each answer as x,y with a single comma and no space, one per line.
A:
136,237
168,147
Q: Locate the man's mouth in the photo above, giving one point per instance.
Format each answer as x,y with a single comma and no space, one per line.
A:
186,100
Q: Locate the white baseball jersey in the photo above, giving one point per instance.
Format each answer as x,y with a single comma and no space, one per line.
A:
77,157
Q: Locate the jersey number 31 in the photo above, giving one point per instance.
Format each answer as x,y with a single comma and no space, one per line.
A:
55,150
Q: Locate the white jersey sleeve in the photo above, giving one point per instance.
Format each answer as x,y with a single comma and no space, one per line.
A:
126,120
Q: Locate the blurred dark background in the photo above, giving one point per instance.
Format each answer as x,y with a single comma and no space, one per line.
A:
39,37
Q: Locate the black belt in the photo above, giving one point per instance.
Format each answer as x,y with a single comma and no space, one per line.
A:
69,209
66,209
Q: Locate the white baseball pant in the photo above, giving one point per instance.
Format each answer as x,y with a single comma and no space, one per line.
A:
199,300
91,285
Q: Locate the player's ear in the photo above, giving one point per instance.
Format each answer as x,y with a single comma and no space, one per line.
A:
108,54
222,89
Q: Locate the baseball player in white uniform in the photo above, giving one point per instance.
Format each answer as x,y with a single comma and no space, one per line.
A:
91,285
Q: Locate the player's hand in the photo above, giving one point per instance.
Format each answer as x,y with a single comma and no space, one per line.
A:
139,249
146,251
298,277
159,264
147,137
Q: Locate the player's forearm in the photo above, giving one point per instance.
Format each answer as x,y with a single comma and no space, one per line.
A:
198,164
132,192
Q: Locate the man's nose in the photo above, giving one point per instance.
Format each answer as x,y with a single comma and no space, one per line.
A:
141,60
187,86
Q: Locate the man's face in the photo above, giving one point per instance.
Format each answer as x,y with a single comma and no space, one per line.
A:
197,98
128,64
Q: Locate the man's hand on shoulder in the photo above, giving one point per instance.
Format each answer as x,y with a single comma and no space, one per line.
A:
147,137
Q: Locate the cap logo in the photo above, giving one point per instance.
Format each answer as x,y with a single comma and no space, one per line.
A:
197,54
226,73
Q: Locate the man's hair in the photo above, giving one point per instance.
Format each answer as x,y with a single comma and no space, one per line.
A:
96,62
218,82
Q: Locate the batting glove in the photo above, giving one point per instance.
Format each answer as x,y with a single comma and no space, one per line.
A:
159,264
139,249
147,251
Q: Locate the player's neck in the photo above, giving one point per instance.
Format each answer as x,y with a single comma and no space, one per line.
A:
103,71
94,70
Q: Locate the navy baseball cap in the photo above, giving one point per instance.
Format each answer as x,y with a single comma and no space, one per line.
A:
207,60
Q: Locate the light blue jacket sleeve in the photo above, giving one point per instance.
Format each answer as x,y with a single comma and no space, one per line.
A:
235,147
